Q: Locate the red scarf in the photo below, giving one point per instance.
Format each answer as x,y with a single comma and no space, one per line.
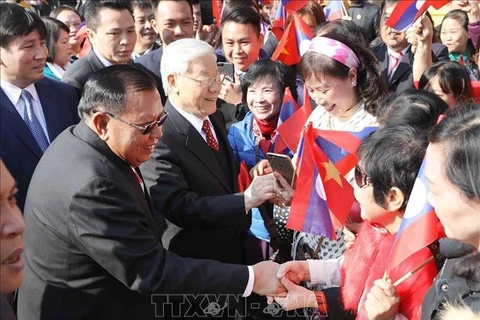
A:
264,132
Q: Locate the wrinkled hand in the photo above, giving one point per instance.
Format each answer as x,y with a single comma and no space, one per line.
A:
297,296
208,34
423,30
382,301
266,281
295,271
350,233
471,7
231,92
260,190
283,189
262,168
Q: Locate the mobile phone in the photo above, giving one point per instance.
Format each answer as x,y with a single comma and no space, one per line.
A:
207,12
227,69
282,164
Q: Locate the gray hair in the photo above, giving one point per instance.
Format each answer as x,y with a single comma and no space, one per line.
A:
178,55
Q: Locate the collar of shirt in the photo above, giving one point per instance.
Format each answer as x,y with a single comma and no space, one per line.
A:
136,55
13,92
403,51
104,61
196,122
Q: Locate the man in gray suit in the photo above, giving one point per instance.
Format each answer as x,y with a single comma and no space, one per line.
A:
93,250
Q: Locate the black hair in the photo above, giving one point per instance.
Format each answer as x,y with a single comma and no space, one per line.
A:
275,72
55,12
468,267
107,89
371,86
313,9
452,78
155,4
93,8
241,15
419,109
460,133
391,157
142,4
16,21
54,27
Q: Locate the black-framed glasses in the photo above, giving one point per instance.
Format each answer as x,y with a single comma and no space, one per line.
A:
207,82
361,177
146,129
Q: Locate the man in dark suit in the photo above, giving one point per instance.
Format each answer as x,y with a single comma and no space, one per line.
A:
93,250
193,175
146,35
34,109
395,54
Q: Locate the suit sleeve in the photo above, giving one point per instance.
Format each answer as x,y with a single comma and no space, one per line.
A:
174,198
107,223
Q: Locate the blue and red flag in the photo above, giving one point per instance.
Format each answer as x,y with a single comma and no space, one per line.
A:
288,108
294,42
278,22
334,10
419,227
406,12
293,6
289,131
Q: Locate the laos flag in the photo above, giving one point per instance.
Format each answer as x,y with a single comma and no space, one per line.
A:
294,5
406,12
419,226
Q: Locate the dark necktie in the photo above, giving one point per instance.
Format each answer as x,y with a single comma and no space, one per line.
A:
32,122
211,141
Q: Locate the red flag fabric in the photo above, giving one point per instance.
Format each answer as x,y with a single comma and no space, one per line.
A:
293,43
406,12
217,11
244,179
278,22
293,6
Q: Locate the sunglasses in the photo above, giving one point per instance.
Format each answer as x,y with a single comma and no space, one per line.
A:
361,177
146,129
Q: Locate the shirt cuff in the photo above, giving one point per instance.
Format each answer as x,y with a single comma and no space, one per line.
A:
251,278
326,272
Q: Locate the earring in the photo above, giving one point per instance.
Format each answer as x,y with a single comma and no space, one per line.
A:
354,84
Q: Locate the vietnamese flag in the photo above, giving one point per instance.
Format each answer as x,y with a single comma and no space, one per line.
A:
294,42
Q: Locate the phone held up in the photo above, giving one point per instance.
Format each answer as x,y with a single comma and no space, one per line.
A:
227,69
282,164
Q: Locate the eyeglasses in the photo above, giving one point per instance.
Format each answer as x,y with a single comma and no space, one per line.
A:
361,177
146,129
207,82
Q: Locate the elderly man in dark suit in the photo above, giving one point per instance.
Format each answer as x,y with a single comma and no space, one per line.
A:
34,109
396,56
94,249
193,175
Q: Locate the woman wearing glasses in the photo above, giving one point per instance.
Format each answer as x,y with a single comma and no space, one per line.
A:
388,164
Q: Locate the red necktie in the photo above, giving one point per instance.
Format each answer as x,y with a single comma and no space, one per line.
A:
211,141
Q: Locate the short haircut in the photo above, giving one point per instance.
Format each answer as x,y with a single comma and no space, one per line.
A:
93,8
178,55
459,132
155,4
419,109
107,89
242,15
53,33
452,78
371,86
55,12
391,157
273,71
15,21
142,4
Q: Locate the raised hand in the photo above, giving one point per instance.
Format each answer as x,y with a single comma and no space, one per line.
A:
382,301
261,168
266,281
231,92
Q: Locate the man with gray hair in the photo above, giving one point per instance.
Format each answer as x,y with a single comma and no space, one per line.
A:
192,175
94,250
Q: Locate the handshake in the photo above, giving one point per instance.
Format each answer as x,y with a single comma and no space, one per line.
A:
280,283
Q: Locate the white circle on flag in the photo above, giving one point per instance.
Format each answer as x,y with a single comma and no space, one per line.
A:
418,199
304,44
319,188
419,4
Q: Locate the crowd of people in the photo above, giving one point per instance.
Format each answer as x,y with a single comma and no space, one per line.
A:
125,150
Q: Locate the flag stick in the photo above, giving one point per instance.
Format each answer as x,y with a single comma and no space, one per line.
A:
344,10
411,273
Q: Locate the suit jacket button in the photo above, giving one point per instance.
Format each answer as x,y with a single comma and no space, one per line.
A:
444,287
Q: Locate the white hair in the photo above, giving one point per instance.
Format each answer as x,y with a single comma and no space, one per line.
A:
178,55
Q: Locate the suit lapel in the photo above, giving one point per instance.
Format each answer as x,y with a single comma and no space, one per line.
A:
95,63
383,61
49,104
197,146
14,121
403,66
